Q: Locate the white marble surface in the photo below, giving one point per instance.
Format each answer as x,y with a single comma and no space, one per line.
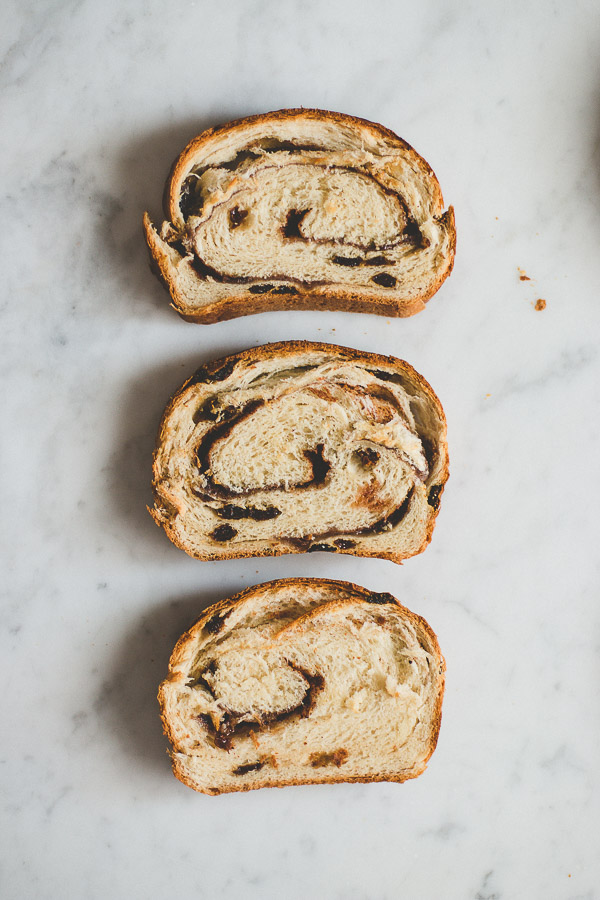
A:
504,101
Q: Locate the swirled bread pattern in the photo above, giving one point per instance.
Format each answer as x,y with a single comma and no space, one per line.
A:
301,446
303,681
301,209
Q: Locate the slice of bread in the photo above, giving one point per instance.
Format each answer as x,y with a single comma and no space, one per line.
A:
300,446
303,681
301,209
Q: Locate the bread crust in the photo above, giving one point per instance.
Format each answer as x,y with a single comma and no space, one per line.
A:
349,587
281,349
309,296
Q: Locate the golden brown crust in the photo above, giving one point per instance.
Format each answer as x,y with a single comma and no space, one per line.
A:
348,587
281,349
308,297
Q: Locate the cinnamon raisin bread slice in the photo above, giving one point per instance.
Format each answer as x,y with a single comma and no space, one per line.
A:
300,446
301,209
303,681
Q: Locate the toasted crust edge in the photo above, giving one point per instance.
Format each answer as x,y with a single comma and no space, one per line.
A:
283,348
309,298
349,587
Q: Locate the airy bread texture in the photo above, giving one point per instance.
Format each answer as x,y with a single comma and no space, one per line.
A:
303,681
301,209
298,447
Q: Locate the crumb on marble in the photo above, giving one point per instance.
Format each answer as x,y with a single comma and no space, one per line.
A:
540,304
523,276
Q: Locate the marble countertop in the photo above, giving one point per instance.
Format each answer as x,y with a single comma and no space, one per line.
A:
504,102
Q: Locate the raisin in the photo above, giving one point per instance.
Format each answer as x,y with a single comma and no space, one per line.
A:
367,456
284,289
433,498
223,740
223,533
249,767
261,288
215,623
237,216
320,465
325,548
344,543
378,261
384,279
347,260
230,511
261,515
272,289
291,229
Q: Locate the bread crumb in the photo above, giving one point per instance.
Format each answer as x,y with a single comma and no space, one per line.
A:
523,275
487,395
540,304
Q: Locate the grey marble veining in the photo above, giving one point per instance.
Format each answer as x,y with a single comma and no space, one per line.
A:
504,102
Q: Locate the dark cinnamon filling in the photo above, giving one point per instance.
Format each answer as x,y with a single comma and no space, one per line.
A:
320,466
359,261
234,723
227,418
307,544
218,370
190,204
